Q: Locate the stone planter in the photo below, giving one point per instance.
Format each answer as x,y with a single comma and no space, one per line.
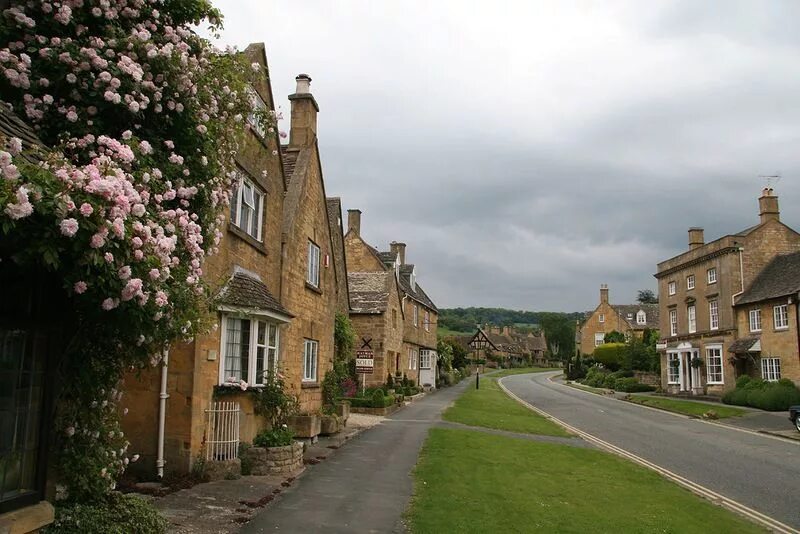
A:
329,424
343,411
305,426
275,460
377,411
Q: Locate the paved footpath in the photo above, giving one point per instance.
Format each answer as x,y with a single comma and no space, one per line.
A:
366,485
759,471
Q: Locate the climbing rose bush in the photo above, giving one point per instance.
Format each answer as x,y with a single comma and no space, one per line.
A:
141,118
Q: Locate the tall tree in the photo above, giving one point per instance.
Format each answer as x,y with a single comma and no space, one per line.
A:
646,296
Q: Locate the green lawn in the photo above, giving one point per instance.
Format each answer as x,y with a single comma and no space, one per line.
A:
687,407
521,371
469,481
587,388
491,408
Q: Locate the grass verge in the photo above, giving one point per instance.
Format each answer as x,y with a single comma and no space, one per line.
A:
489,407
521,371
696,409
469,481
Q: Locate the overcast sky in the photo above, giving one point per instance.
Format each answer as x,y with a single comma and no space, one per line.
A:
529,151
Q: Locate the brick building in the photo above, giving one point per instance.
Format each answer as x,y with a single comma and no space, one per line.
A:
696,294
628,319
404,327
768,344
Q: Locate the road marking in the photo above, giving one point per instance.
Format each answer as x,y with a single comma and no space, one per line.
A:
735,506
682,416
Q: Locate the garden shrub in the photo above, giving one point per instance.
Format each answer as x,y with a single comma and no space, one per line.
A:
114,514
757,393
274,437
631,385
610,355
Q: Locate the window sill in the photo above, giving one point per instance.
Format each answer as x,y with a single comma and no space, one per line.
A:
315,289
781,329
309,385
241,234
715,383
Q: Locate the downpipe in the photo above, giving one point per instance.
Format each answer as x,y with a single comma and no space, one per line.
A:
162,415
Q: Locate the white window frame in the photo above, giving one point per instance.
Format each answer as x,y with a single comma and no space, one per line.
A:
780,316
251,205
425,359
691,318
312,267
310,360
416,315
602,318
641,317
673,322
714,365
711,275
673,373
599,338
268,355
755,320
256,102
412,359
771,369
427,320
690,282
672,287
713,314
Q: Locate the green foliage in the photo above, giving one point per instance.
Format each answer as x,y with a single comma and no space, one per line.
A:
631,385
614,337
344,338
612,355
770,396
273,402
274,437
646,296
331,388
114,514
444,358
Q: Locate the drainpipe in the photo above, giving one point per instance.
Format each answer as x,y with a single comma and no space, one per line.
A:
162,413
797,321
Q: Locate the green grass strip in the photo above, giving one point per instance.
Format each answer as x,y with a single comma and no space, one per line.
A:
687,407
469,481
489,407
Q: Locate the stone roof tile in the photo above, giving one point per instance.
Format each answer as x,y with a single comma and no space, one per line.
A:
247,292
780,278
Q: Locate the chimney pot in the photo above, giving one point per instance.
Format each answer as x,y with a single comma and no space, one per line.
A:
696,238
354,222
303,84
768,206
398,249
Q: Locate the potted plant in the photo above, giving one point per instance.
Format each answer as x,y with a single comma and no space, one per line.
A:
696,362
274,451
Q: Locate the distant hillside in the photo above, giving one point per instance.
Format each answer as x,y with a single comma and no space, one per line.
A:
465,319
558,327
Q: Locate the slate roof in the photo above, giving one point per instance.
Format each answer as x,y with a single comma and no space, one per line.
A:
334,205
781,277
743,345
369,291
417,293
289,162
387,257
650,310
247,292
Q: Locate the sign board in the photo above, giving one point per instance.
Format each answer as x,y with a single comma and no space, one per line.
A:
365,361
661,345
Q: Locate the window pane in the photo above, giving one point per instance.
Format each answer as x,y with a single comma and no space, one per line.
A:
237,348
256,222
235,203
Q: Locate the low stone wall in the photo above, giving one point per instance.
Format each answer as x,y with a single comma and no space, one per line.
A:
376,411
275,460
651,379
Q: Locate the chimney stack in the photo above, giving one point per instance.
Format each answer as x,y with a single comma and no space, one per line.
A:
506,331
768,206
398,249
603,293
696,239
304,113
354,222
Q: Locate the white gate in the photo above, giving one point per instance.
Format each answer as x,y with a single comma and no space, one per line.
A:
222,431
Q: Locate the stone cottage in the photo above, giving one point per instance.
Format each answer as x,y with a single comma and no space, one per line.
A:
697,290
628,319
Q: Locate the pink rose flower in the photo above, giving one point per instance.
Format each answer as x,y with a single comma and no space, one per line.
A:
80,287
86,209
69,227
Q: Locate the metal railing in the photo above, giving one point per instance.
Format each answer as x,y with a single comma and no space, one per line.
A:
222,431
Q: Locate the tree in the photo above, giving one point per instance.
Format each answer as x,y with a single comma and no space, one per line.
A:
646,296
614,337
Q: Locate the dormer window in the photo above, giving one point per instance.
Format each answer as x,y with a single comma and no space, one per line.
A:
641,317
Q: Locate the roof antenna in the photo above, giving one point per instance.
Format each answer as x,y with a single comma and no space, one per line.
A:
771,179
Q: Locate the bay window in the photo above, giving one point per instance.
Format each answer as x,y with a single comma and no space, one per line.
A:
250,350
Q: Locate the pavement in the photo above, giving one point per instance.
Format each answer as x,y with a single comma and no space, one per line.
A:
367,485
757,470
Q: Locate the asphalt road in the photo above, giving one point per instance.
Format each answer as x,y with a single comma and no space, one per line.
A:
758,471
365,486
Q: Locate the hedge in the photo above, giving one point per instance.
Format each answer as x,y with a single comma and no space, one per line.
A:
771,396
610,354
